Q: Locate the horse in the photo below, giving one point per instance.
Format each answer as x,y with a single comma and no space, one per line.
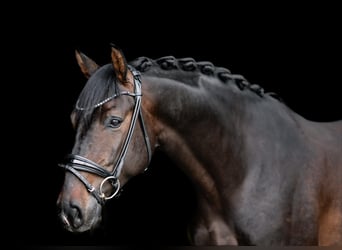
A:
262,174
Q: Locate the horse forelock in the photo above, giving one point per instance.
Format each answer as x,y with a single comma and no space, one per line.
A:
100,86
188,64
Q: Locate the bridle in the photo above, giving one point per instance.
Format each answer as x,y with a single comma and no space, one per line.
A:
75,163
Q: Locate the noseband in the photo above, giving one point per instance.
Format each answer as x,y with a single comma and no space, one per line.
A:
75,163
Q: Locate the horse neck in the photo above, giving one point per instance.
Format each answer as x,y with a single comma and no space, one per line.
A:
189,122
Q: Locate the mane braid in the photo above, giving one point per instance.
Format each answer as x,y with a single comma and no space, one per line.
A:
144,64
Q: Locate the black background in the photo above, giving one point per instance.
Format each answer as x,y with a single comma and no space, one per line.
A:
292,50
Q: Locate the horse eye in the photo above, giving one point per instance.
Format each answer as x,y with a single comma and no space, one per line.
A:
115,122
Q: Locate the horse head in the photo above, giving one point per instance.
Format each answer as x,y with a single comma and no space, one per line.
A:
111,143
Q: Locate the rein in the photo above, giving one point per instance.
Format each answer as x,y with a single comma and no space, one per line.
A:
75,163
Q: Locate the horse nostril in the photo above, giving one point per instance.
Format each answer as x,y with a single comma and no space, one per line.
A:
70,215
75,216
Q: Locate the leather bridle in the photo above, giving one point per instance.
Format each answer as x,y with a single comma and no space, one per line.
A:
75,163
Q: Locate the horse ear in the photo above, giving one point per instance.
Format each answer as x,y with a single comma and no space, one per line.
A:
88,66
120,65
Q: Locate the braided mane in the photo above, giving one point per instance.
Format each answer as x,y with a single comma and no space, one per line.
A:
144,64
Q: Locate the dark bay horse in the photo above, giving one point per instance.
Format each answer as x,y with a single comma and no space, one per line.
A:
263,174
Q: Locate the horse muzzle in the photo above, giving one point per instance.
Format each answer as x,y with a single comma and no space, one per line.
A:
76,218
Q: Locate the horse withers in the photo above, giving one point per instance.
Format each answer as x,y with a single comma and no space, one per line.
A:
263,174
